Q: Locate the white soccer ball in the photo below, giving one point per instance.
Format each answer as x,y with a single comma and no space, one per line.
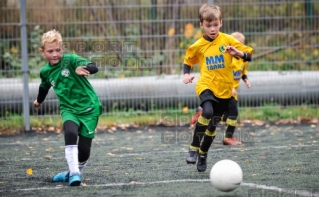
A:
226,175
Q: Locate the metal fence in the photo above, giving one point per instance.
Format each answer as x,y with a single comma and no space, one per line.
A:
139,47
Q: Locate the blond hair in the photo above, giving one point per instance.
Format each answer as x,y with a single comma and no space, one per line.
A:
209,13
50,37
239,36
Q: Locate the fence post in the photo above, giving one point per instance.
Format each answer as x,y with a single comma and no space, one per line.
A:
25,69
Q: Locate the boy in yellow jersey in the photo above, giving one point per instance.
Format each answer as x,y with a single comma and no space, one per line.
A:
213,52
230,116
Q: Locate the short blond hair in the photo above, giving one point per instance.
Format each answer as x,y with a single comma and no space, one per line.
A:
239,36
209,13
51,37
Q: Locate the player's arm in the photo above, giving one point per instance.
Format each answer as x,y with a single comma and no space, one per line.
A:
83,66
92,68
41,96
86,70
236,53
187,77
189,60
186,69
240,50
246,57
244,77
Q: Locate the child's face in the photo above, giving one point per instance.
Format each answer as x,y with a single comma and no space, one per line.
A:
211,28
52,52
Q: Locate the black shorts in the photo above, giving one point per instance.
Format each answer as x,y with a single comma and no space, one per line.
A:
219,105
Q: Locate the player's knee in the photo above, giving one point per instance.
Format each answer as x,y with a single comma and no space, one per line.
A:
208,114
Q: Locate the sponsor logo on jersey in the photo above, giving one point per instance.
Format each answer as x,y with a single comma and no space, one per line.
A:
237,74
52,82
91,132
65,72
222,48
215,62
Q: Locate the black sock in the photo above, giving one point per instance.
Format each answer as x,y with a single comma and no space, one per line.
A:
229,131
207,141
198,134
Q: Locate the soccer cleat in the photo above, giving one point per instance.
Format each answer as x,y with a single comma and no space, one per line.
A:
196,116
75,180
202,162
191,156
61,177
231,141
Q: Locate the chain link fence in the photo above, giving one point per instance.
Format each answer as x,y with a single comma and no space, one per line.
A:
139,47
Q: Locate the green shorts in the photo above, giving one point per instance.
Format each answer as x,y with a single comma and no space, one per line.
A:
87,123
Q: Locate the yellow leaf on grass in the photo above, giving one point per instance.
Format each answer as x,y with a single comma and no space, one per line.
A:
48,157
49,149
29,171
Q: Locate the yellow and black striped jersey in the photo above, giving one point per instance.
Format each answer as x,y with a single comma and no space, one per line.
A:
216,68
240,69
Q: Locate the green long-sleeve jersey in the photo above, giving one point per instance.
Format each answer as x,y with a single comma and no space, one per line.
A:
74,92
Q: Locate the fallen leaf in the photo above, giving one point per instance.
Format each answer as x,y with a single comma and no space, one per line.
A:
48,156
49,149
29,171
113,128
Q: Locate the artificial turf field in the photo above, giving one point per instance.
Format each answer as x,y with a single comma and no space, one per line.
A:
276,161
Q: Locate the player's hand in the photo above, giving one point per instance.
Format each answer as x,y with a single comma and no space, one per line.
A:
233,92
247,83
81,70
233,51
188,79
36,104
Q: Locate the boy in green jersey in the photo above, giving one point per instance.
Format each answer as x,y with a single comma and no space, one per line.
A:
80,106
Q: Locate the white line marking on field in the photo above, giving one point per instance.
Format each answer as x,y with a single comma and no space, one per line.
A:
252,185
281,190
